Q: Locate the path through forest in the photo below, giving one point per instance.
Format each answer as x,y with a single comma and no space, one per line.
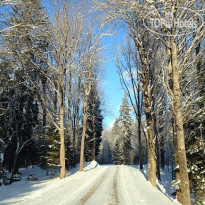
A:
104,185
122,185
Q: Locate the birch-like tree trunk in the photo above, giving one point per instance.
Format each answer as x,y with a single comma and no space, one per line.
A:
62,128
146,84
176,162
69,117
129,75
139,120
76,128
149,132
178,119
93,126
88,86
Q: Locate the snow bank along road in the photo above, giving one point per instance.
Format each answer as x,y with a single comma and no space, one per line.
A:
104,185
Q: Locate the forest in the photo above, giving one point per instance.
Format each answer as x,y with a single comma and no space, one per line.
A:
52,102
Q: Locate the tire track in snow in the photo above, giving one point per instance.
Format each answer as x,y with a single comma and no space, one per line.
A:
126,194
73,195
115,186
114,196
92,189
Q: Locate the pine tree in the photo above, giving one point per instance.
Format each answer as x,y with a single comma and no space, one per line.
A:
126,131
196,164
116,129
195,143
94,126
24,46
122,133
98,126
117,152
51,150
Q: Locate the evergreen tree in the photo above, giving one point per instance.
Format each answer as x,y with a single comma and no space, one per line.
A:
126,121
117,152
51,150
195,143
194,121
98,126
122,133
24,45
117,138
94,126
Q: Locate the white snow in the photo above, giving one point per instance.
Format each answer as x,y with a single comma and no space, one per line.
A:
90,165
109,184
1,156
1,141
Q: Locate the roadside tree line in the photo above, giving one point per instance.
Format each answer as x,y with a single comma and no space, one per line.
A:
50,98
162,72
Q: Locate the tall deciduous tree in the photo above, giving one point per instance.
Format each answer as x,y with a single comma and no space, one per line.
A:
129,73
92,60
132,12
180,44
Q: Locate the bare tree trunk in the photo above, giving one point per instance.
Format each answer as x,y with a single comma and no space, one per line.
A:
176,160
18,137
85,108
162,160
158,159
13,170
55,103
136,102
68,142
62,137
69,123
140,141
149,121
77,122
14,166
139,120
141,44
73,132
200,74
157,147
150,141
177,110
76,139
94,133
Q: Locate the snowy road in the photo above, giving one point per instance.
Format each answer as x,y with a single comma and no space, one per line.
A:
122,185
103,185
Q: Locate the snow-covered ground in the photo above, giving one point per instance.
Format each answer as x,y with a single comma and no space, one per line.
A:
165,184
108,184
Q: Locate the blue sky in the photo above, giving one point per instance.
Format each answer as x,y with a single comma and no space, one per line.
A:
111,86
113,93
